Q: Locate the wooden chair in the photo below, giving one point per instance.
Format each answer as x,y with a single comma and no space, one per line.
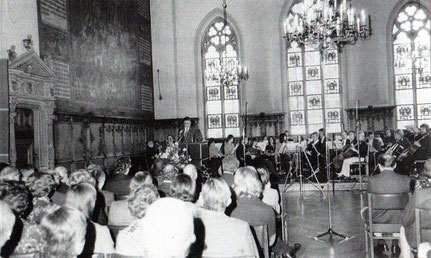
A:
423,225
262,239
385,231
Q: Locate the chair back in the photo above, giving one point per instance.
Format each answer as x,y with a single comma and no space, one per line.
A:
385,202
423,225
119,197
260,234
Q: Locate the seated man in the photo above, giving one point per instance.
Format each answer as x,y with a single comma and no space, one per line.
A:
387,182
224,236
420,199
119,182
250,208
230,165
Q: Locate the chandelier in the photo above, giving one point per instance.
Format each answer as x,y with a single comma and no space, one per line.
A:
229,71
325,23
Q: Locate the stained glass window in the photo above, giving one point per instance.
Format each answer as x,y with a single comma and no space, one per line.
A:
313,86
222,105
412,73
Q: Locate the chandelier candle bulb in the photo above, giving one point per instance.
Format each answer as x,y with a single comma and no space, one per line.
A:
363,17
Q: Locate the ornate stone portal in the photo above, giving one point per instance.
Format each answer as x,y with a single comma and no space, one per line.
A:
31,86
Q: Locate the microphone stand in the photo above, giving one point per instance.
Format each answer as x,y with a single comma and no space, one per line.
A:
330,232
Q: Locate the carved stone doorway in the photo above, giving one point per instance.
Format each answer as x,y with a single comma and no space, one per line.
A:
24,137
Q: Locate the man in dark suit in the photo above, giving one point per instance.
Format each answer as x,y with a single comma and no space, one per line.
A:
387,182
120,181
189,133
420,199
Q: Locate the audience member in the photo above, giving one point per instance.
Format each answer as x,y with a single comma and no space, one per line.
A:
129,239
229,146
250,208
59,196
83,176
269,196
183,188
9,174
230,165
41,185
420,199
27,235
165,178
387,182
224,236
168,229
119,182
119,214
108,197
26,172
98,238
65,231
7,221
191,171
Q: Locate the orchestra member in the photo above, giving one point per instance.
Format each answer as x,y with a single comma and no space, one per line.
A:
401,152
388,138
189,133
215,156
284,154
374,147
345,138
322,142
270,149
423,141
356,153
240,151
262,144
229,146
312,150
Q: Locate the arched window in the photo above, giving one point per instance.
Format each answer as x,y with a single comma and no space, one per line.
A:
313,86
222,105
412,74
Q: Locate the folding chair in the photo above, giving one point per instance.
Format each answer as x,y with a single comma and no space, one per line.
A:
376,231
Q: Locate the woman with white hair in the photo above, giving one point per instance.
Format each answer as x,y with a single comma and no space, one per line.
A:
224,236
128,239
269,196
250,208
65,231
119,214
98,238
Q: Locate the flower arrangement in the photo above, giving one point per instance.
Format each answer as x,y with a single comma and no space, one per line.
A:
173,154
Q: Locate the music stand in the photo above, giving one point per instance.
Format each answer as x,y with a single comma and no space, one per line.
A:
301,178
330,232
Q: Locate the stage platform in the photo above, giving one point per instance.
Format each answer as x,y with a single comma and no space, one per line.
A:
338,186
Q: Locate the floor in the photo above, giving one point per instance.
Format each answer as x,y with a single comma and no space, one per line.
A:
308,217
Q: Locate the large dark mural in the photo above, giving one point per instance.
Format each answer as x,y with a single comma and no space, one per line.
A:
104,54
101,53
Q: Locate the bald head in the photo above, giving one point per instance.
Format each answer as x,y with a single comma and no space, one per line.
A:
191,171
168,228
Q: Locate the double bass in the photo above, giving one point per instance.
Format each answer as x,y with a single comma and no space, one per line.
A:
413,148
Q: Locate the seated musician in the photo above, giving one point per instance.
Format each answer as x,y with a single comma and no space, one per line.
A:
322,142
354,154
313,151
388,138
241,150
419,150
284,154
270,150
374,148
